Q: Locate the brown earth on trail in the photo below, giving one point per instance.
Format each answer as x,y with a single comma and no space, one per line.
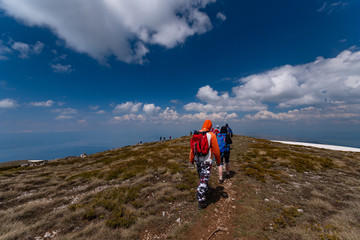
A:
147,191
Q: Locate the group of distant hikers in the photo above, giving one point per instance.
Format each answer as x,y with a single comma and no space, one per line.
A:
164,138
206,146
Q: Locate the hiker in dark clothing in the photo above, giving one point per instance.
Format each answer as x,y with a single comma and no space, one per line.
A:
160,139
229,130
224,141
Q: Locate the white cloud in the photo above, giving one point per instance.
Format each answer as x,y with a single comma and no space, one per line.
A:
25,50
335,112
169,114
221,16
127,107
150,109
216,102
4,51
64,117
329,6
65,113
219,116
175,101
127,117
8,103
48,103
22,48
100,112
319,83
110,27
37,48
59,68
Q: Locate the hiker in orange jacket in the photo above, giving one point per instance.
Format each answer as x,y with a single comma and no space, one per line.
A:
204,163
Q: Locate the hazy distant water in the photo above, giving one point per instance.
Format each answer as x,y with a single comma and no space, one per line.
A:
23,146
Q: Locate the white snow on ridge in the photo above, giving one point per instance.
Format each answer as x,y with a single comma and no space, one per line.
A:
324,146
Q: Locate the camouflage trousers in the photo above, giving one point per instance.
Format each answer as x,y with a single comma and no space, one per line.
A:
204,170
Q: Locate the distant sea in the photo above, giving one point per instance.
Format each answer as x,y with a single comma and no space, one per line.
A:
48,146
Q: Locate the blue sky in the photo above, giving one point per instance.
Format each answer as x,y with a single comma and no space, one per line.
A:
144,68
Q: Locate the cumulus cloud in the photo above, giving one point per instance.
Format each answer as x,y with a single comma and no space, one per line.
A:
127,107
216,102
150,108
48,103
8,103
320,83
59,68
337,112
124,29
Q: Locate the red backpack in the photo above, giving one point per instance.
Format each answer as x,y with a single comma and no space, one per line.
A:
199,144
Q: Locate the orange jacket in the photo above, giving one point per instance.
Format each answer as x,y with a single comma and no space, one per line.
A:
214,147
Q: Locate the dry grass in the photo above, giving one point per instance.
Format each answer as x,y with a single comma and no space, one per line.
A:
138,192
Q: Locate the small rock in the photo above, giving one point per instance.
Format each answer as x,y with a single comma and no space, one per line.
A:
163,213
178,220
47,235
266,200
300,210
233,207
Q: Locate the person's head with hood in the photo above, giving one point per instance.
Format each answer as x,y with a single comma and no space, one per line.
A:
226,125
223,129
207,125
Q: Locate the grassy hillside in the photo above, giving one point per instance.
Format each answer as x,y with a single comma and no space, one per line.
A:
147,191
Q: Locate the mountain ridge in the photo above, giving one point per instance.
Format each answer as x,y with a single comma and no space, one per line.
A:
147,191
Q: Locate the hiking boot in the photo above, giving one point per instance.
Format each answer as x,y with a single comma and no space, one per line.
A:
221,181
202,205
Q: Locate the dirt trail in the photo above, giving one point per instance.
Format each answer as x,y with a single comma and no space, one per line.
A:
218,221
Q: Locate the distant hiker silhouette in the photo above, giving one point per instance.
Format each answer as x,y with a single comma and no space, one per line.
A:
203,146
224,141
229,130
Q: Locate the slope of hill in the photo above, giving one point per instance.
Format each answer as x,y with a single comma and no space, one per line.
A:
147,191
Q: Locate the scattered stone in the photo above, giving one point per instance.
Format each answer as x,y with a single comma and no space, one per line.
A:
178,220
300,210
266,200
47,235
